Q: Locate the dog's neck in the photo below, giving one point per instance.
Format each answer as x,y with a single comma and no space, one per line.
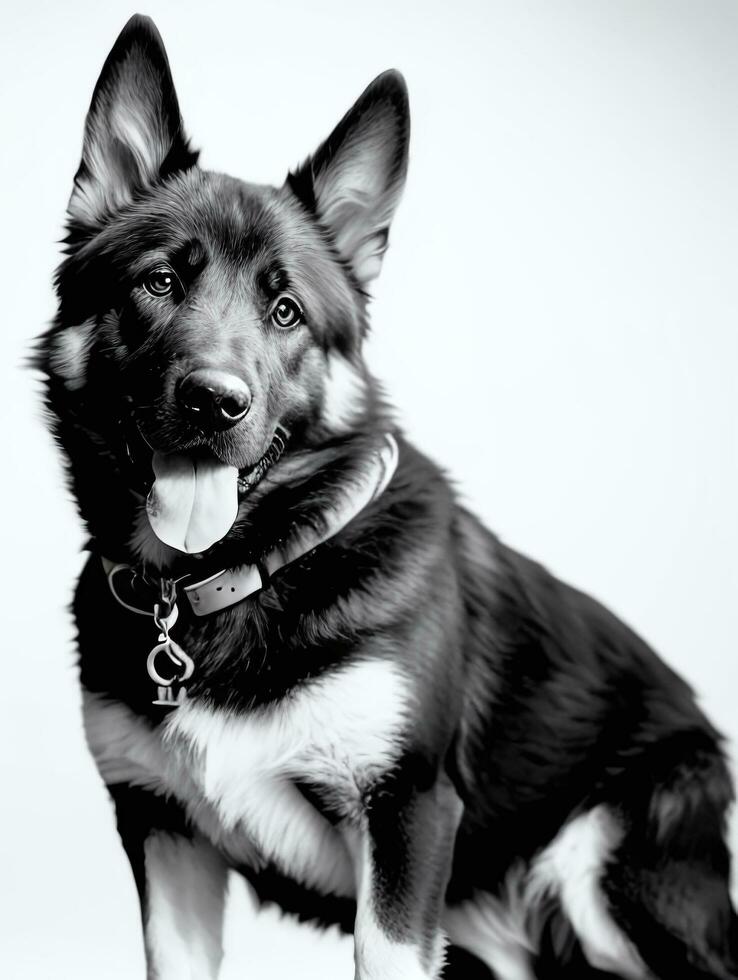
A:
302,497
223,588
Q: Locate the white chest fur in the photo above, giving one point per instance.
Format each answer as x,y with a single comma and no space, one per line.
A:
235,773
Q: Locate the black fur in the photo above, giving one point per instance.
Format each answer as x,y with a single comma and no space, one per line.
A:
533,703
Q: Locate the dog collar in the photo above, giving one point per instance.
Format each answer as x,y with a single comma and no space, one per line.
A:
232,585
167,664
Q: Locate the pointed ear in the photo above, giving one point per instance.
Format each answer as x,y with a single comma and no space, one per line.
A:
354,180
133,133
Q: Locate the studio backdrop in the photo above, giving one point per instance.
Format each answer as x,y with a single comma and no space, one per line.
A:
556,323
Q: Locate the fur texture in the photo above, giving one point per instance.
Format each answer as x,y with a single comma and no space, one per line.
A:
412,728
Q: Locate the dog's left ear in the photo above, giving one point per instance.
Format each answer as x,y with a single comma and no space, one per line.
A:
353,182
133,133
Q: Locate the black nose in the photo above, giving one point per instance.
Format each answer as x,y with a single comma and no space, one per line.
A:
213,400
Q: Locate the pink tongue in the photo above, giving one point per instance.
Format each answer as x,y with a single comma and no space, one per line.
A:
193,502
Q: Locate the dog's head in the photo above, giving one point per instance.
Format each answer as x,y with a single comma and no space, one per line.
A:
206,323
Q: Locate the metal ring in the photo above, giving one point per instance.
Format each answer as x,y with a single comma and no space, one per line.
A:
126,605
177,655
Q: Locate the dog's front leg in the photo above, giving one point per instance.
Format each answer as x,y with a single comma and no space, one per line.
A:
181,881
406,853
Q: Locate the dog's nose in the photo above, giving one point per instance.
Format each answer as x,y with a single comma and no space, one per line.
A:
213,400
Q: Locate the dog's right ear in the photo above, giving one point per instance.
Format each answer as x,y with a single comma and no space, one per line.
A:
133,134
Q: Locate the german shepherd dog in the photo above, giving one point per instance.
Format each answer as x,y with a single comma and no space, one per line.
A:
300,657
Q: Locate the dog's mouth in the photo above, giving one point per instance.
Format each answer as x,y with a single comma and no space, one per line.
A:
193,497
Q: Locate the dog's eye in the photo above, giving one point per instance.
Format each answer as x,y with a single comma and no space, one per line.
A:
286,313
161,282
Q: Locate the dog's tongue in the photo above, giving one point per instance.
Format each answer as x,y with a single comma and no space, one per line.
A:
193,502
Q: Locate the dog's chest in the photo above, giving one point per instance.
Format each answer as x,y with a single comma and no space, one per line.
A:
237,775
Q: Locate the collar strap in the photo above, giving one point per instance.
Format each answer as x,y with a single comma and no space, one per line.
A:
231,585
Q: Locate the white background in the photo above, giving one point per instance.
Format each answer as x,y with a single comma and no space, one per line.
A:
556,322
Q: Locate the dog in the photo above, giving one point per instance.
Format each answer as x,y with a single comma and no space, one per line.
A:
301,658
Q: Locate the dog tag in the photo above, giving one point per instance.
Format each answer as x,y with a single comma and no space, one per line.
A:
166,698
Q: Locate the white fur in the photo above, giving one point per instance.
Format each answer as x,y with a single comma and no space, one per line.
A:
378,957
235,773
186,885
571,867
494,929
337,732
503,932
344,394
69,352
